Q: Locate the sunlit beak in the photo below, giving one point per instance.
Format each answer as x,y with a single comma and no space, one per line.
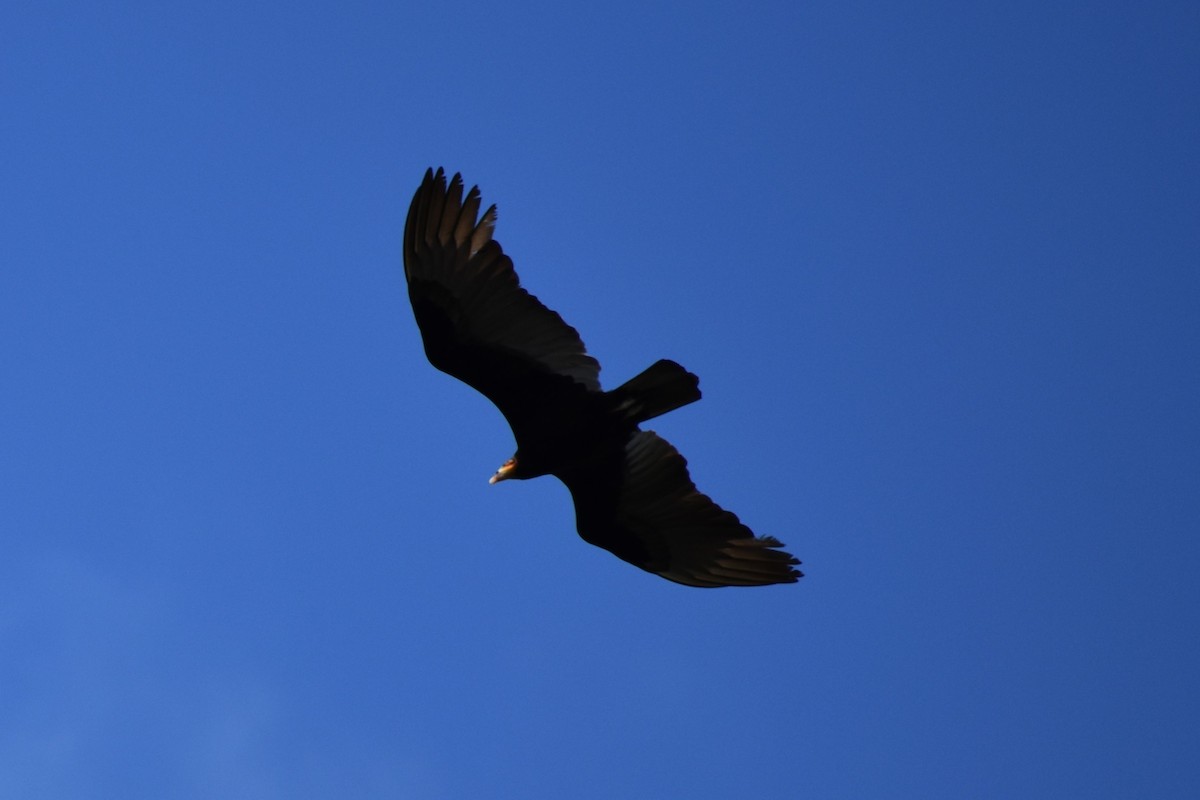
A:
504,472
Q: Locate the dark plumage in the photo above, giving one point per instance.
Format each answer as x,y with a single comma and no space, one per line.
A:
632,493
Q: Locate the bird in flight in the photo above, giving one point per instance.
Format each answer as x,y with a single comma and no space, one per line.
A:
632,492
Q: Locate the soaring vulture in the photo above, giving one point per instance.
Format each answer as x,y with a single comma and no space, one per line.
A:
631,489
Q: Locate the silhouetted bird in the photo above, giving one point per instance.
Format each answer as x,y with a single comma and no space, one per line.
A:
632,492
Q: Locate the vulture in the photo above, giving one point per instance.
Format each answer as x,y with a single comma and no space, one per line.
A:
631,489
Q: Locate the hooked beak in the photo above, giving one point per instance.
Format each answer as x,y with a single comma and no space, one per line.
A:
505,471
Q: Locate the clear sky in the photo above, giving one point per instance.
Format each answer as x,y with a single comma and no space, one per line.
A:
937,266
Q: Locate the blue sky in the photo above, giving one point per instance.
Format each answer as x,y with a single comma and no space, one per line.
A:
937,266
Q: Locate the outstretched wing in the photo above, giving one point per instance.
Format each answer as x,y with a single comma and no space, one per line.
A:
476,321
641,505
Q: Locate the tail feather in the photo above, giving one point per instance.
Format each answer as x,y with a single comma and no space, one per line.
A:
663,386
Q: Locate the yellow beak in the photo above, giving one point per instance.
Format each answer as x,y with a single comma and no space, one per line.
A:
504,472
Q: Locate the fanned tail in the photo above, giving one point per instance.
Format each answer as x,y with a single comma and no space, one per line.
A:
663,386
